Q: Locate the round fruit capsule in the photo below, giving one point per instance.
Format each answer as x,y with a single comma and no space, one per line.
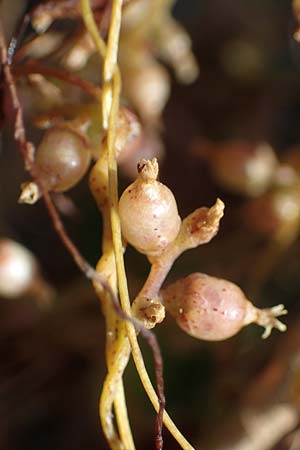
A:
62,158
17,268
243,168
148,212
214,309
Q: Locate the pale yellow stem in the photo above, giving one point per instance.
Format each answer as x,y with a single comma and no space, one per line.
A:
118,395
113,83
117,345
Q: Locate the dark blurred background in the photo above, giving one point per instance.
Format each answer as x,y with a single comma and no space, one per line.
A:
52,359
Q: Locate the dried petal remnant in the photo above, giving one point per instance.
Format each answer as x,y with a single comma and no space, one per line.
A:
201,226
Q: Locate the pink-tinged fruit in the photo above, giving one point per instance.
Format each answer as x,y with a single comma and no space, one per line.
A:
213,309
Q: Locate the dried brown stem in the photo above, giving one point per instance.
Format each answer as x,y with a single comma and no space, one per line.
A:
15,40
30,67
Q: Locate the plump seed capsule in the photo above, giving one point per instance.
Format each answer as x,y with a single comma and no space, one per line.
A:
148,146
174,46
243,168
276,214
147,87
214,309
128,134
17,268
61,159
148,212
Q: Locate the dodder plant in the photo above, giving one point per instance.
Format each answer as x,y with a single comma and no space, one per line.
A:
146,215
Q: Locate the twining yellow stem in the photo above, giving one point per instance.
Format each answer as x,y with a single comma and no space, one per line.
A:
112,391
110,64
110,111
117,355
88,18
117,345
108,396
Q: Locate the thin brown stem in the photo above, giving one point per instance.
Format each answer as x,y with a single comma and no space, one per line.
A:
30,67
27,150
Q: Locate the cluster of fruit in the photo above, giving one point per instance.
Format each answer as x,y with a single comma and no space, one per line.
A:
203,306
